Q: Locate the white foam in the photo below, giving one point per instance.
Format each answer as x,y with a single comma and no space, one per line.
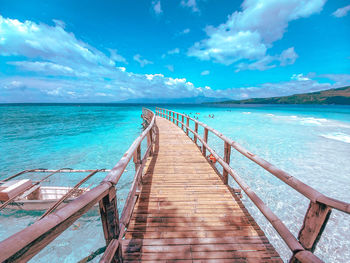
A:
339,136
247,112
310,120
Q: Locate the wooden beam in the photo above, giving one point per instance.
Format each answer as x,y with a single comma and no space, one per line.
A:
150,141
227,155
315,222
309,192
110,254
205,138
110,217
196,130
25,244
137,157
187,124
182,120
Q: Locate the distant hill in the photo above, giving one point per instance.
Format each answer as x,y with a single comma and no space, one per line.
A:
339,96
191,100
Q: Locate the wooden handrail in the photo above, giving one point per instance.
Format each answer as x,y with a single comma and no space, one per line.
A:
306,190
320,205
26,243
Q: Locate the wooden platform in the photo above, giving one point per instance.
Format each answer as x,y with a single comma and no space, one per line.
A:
185,213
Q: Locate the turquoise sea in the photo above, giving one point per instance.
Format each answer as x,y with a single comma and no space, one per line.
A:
310,142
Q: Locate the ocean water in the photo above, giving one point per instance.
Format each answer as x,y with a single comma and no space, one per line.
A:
311,143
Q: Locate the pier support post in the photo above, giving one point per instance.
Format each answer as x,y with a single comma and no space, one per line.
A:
196,131
110,220
205,138
227,155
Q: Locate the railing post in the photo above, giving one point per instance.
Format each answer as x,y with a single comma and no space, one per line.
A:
174,117
196,131
205,138
187,124
227,155
182,122
137,157
167,113
149,142
177,119
110,220
315,221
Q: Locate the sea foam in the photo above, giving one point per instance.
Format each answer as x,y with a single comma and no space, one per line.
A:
338,136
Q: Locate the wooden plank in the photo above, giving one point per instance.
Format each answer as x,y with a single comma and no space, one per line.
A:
185,212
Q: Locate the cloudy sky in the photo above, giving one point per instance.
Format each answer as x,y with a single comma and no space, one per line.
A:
106,51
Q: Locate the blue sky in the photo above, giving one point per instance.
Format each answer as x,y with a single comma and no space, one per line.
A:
105,51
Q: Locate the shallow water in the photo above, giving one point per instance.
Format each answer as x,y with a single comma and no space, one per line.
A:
311,143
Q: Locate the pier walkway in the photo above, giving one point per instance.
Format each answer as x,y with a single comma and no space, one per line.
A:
185,212
179,206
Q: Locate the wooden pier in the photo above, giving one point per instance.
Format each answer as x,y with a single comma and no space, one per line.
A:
180,208
185,212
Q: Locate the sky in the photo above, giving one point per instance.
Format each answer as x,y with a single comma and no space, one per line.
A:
113,50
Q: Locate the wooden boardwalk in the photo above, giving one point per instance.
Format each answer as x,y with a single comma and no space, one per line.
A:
179,207
186,213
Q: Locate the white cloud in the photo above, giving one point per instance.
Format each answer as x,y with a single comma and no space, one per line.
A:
170,67
299,77
299,83
39,40
157,8
287,57
249,33
116,57
192,4
205,72
48,67
142,62
171,52
183,32
186,31
340,12
63,68
174,51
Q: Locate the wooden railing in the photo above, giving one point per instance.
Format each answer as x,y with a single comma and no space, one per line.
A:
320,206
26,243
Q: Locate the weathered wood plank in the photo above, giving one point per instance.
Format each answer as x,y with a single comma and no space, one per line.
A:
184,202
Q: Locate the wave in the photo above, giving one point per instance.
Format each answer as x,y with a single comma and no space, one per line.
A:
338,136
310,120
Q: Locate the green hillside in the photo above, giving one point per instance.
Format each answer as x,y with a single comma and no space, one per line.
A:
339,96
